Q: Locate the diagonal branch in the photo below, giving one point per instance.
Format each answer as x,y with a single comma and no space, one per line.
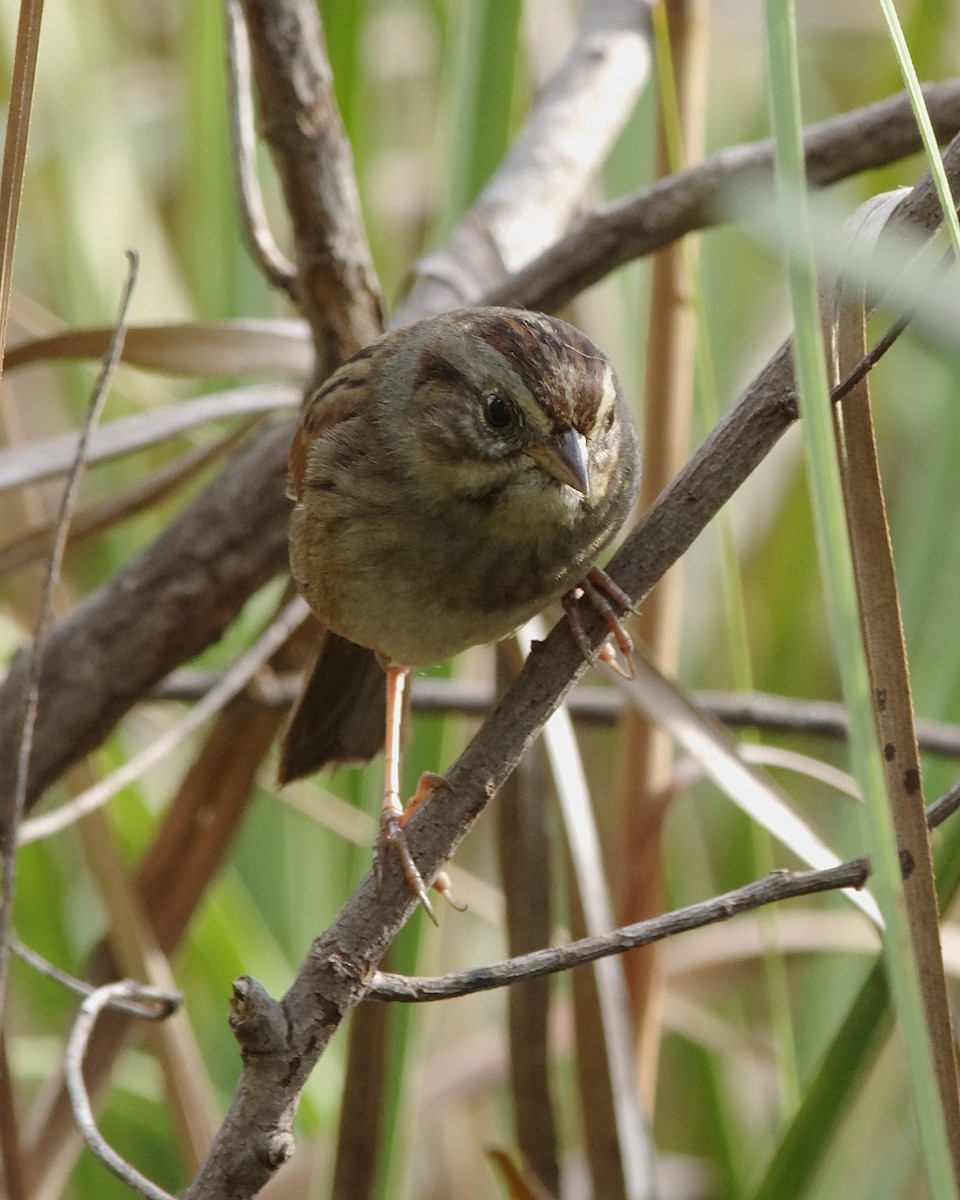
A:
162,609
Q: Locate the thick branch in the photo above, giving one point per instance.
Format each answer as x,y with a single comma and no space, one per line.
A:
162,609
338,288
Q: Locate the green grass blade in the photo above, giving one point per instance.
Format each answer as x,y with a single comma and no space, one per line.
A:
838,580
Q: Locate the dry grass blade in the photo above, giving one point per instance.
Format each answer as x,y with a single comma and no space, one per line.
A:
882,627
519,1184
749,788
813,768
523,853
201,348
625,1164
53,456
15,147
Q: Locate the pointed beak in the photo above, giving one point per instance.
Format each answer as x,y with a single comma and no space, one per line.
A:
564,456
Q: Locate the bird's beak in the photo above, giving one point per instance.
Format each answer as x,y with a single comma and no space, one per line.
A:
564,456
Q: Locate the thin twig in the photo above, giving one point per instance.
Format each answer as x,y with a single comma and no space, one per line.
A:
230,684
772,889
586,703
90,1010
775,887
880,347
133,1008
67,505
272,261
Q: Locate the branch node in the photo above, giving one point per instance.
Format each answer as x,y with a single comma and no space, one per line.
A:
257,1020
281,1146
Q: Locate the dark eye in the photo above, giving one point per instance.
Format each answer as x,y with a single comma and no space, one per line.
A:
497,412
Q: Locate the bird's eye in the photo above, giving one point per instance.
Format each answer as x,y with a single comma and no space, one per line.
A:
497,412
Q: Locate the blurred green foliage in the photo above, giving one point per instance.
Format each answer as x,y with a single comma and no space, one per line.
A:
129,147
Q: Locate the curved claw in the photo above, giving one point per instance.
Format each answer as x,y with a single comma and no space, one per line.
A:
393,835
602,593
393,820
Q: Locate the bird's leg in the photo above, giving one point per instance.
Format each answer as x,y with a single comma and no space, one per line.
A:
392,816
602,594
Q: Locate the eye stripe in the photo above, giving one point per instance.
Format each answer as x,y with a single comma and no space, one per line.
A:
434,368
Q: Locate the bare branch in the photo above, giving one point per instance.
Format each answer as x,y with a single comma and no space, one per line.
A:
90,1010
588,704
700,197
772,889
273,262
338,289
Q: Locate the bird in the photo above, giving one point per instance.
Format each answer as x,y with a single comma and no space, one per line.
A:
449,481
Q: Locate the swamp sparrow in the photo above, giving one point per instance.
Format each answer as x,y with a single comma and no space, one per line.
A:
451,480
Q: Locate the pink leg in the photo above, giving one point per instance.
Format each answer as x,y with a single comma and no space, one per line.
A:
393,816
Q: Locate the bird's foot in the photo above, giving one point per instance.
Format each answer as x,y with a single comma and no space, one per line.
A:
605,596
393,836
